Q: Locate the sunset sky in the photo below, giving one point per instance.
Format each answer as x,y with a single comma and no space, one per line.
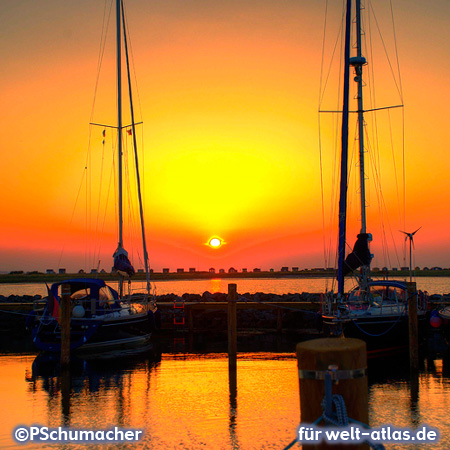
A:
229,96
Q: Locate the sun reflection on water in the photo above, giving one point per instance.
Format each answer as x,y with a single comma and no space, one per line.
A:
192,401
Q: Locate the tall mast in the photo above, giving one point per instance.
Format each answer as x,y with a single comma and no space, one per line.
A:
119,134
344,154
119,119
358,62
138,178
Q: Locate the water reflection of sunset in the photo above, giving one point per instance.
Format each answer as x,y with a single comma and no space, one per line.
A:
217,285
181,402
186,401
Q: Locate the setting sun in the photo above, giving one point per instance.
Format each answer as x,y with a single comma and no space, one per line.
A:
215,242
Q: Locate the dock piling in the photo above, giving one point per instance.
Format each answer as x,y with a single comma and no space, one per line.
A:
413,326
232,325
65,325
345,361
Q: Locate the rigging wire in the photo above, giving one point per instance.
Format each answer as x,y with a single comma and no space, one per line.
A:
132,221
382,202
394,164
387,55
328,248
138,187
396,50
339,35
73,212
403,121
94,237
374,151
130,48
86,176
336,132
399,193
136,87
320,140
102,46
100,234
100,194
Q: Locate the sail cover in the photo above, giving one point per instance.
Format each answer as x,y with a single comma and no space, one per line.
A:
121,262
360,256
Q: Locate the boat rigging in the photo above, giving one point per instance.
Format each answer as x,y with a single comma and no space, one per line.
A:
374,310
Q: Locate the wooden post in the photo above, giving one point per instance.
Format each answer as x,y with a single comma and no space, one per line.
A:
66,309
232,326
65,394
279,320
349,358
413,327
232,425
190,319
93,307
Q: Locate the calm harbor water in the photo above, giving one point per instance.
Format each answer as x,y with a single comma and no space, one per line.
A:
433,285
188,401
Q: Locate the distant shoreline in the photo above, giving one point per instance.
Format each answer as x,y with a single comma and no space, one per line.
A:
158,276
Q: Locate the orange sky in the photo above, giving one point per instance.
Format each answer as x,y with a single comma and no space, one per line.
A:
229,97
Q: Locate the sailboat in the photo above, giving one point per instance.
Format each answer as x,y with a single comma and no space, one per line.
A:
375,311
101,317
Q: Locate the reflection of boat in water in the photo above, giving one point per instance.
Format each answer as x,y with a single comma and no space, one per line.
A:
99,370
101,317
375,311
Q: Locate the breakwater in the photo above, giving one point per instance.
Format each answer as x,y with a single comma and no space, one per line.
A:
255,311
198,313
258,297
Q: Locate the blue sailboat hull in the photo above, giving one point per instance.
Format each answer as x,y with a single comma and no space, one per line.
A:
95,334
382,335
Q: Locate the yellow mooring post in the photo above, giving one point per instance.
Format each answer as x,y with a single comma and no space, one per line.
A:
413,327
66,310
232,325
345,360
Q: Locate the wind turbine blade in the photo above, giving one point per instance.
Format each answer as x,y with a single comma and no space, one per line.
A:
416,231
404,232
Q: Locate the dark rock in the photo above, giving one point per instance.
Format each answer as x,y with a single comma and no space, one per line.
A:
207,296
219,297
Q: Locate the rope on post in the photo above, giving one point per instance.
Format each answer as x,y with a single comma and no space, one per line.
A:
333,405
332,366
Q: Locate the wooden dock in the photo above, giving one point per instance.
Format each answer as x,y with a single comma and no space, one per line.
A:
279,307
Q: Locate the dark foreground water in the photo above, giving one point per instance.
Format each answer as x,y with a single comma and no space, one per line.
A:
189,401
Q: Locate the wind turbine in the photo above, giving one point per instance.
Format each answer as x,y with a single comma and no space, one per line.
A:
411,245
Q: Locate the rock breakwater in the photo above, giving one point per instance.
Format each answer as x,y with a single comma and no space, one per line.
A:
197,318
